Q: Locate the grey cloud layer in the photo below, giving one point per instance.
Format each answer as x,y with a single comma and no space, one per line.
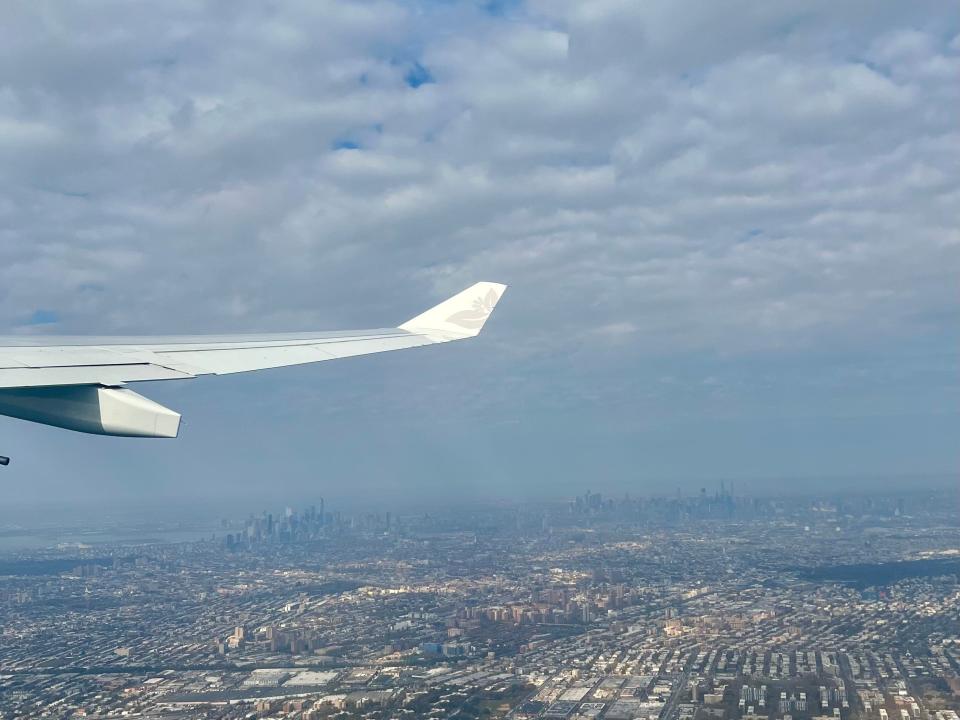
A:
660,181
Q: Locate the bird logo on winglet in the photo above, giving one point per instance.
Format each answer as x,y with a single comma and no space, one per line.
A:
474,317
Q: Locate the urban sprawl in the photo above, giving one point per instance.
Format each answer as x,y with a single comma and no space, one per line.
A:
708,606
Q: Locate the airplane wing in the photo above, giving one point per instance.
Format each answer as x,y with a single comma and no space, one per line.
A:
77,383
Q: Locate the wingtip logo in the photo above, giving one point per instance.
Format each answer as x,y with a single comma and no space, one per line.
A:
473,317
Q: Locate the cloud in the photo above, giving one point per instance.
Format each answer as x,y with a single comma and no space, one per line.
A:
671,181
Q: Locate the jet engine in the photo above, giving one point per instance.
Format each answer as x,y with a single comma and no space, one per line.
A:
91,409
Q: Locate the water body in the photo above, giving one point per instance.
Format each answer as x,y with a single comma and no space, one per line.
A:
53,566
21,539
878,574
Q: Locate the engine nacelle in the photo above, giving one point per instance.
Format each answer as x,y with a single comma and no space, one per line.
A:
91,409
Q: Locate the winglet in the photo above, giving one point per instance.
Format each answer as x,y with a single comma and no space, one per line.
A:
462,316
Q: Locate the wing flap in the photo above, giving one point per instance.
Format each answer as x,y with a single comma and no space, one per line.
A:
86,375
224,361
228,359
62,356
352,348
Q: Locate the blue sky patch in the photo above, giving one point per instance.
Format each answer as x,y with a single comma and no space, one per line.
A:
499,8
418,75
346,145
44,317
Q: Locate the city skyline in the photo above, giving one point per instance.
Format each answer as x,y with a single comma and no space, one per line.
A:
85,509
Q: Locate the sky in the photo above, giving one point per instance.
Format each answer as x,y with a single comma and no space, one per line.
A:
730,232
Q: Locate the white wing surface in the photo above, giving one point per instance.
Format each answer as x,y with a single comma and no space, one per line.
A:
73,382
